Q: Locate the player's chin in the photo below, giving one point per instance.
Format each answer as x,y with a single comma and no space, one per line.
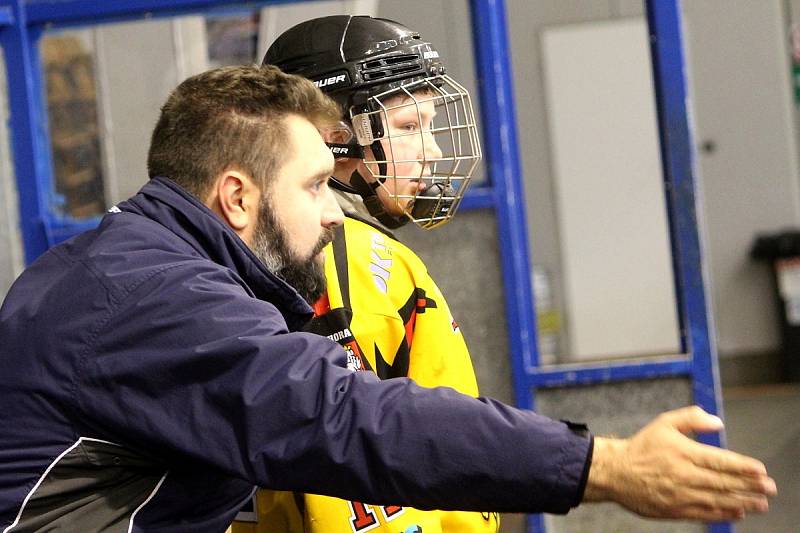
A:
402,205
411,188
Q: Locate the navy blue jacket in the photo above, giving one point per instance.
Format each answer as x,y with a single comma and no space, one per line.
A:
153,373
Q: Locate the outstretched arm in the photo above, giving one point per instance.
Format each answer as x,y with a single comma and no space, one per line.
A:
662,473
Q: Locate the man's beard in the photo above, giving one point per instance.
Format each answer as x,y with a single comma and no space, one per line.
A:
270,245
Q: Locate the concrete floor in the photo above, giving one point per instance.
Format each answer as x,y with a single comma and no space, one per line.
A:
764,422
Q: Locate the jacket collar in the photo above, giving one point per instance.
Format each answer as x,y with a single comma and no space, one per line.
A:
165,202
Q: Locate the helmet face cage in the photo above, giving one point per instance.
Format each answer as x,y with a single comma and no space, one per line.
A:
446,149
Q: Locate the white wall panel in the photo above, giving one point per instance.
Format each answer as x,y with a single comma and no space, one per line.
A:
611,211
741,93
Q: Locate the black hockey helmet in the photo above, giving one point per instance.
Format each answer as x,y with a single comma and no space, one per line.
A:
361,62
344,55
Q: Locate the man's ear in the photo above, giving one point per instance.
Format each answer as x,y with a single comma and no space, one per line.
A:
235,198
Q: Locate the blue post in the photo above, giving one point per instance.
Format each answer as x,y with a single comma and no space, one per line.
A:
498,117
26,117
676,151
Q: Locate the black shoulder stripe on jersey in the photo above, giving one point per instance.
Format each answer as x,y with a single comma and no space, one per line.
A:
409,307
300,502
402,359
398,368
340,257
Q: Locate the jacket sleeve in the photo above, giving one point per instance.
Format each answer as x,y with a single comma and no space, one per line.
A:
189,366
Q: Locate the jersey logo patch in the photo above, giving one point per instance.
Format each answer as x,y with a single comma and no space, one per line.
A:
354,361
335,324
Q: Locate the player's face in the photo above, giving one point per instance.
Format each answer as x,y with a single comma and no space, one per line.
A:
410,148
298,212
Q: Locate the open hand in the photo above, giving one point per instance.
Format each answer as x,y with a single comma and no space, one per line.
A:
662,473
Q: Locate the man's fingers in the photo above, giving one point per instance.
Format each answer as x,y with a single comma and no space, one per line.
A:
740,503
700,513
692,419
711,506
702,478
727,461
751,473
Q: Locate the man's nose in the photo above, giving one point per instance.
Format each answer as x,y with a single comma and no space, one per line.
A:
332,215
431,150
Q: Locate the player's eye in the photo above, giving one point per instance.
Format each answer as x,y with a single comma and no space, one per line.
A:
318,185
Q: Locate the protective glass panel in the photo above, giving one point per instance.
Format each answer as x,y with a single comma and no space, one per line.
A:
591,157
749,188
618,409
11,258
72,107
105,85
233,38
599,234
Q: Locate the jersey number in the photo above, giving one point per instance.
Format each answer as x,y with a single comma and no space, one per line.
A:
363,517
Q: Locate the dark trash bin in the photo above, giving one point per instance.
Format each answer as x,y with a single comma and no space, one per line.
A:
782,251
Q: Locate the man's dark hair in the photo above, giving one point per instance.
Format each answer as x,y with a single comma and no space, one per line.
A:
232,118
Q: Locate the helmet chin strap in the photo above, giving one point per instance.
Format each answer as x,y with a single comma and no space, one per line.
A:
368,193
371,199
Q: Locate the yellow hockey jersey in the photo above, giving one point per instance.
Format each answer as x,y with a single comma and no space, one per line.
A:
390,317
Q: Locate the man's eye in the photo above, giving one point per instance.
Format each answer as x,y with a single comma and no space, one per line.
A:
411,126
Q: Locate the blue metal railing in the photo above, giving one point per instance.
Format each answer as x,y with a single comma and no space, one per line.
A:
498,119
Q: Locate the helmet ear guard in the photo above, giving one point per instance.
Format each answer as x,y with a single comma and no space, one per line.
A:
341,141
